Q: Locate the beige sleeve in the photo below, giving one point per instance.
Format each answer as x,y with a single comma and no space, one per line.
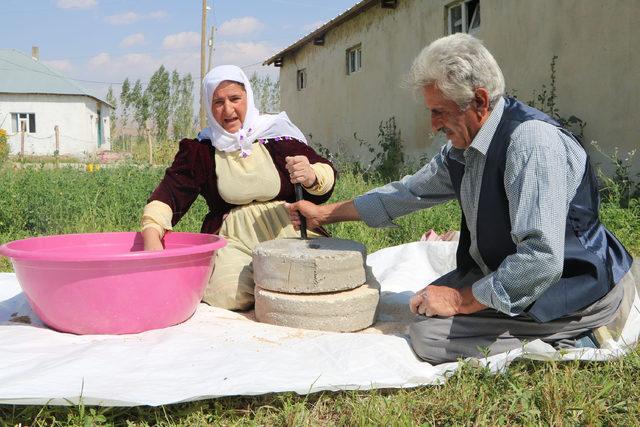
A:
324,181
157,215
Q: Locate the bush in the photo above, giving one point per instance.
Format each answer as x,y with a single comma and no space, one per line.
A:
620,187
386,159
4,146
389,161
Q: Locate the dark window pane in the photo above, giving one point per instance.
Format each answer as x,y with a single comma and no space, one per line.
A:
475,17
32,123
456,19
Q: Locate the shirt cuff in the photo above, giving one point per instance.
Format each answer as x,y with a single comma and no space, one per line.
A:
491,293
325,179
157,215
372,211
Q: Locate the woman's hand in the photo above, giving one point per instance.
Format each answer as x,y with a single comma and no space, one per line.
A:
152,241
300,171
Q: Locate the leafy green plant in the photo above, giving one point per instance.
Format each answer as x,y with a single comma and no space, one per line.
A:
342,157
389,161
386,159
619,187
4,146
545,100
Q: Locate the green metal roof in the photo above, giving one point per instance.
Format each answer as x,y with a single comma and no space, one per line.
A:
19,73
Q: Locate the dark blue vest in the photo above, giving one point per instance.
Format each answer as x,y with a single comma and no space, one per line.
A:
594,260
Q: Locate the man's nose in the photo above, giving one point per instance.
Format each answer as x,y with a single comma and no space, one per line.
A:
436,124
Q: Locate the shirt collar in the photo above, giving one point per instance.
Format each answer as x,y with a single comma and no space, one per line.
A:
484,136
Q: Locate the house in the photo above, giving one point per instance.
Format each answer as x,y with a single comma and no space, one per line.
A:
42,111
342,80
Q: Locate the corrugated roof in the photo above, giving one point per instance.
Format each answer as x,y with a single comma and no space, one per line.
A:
19,73
320,31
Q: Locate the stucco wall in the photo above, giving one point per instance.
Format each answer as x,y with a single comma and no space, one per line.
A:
335,105
597,68
75,116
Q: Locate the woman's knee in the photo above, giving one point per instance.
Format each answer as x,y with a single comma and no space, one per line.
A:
231,291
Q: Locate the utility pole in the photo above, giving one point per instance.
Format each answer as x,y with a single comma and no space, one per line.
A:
203,42
211,38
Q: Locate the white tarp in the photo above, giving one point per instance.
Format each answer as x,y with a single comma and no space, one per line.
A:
221,353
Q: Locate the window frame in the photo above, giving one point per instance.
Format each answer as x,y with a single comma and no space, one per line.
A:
29,119
354,59
301,79
466,21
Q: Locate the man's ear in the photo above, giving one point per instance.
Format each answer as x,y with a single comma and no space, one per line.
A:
481,101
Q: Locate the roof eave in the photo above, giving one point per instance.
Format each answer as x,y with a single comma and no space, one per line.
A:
61,94
345,16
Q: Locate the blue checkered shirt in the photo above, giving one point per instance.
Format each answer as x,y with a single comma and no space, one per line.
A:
544,166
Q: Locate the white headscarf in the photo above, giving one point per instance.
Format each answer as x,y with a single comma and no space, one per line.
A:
255,126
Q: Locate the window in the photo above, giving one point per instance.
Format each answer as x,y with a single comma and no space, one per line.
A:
464,17
301,79
28,119
354,59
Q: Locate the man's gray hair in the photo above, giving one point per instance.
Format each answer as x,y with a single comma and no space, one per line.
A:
457,65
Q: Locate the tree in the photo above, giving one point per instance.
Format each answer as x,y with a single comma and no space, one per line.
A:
140,102
265,93
274,99
158,95
183,118
111,99
125,102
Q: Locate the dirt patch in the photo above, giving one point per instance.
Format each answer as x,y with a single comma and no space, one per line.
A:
20,319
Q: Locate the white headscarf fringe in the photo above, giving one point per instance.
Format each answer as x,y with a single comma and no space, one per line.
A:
255,127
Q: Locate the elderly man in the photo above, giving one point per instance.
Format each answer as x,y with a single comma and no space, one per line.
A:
534,261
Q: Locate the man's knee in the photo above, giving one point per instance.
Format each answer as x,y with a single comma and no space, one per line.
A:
427,343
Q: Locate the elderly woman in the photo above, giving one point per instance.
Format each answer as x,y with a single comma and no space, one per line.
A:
245,166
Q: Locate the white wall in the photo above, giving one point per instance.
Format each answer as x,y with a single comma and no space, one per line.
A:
75,115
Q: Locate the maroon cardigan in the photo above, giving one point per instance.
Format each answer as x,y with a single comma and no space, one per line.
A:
193,173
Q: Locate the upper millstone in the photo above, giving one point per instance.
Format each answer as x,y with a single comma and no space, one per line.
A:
309,266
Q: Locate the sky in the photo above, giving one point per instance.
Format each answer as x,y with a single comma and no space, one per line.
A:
99,43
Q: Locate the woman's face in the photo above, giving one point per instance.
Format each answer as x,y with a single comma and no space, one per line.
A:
229,105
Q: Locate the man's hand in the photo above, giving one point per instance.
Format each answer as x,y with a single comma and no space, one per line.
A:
310,211
435,300
300,171
323,214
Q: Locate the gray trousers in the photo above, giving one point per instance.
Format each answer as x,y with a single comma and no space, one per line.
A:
489,332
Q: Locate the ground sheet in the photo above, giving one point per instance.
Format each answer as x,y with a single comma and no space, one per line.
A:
220,353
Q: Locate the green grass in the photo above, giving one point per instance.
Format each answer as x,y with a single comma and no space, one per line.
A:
528,393
38,202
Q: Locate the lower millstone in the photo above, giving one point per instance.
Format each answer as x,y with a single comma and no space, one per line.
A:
309,266
345,311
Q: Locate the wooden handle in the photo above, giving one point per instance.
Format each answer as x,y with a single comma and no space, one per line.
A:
303,220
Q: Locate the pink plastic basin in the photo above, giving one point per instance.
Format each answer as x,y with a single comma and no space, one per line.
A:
105,283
